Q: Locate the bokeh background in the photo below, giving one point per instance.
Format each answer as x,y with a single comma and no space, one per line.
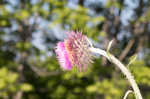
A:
30,29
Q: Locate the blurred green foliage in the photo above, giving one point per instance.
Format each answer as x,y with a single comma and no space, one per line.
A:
29,72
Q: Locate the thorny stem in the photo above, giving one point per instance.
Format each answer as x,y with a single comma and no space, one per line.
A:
124,70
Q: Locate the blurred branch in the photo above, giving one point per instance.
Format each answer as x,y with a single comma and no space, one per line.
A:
127,49
140,44
143,38
18,95
44,72
26,31
136,30
81,2
107,28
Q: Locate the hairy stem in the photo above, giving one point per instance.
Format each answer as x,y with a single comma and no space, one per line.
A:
124,70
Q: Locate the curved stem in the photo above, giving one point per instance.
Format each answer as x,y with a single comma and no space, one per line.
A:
124,70
127,93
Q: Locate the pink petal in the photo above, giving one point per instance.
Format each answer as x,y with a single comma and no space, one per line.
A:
63,56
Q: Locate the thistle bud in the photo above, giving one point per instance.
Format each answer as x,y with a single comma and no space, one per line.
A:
75,51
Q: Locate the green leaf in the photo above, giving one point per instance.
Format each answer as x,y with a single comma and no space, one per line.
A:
12,77
91,89
132,59
3,72
3,23
2,83
26,87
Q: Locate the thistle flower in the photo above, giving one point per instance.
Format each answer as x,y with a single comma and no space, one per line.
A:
62,56
76,48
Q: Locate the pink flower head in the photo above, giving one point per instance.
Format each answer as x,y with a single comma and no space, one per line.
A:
76,48
63,56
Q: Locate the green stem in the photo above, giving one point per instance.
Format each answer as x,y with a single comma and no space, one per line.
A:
123,68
